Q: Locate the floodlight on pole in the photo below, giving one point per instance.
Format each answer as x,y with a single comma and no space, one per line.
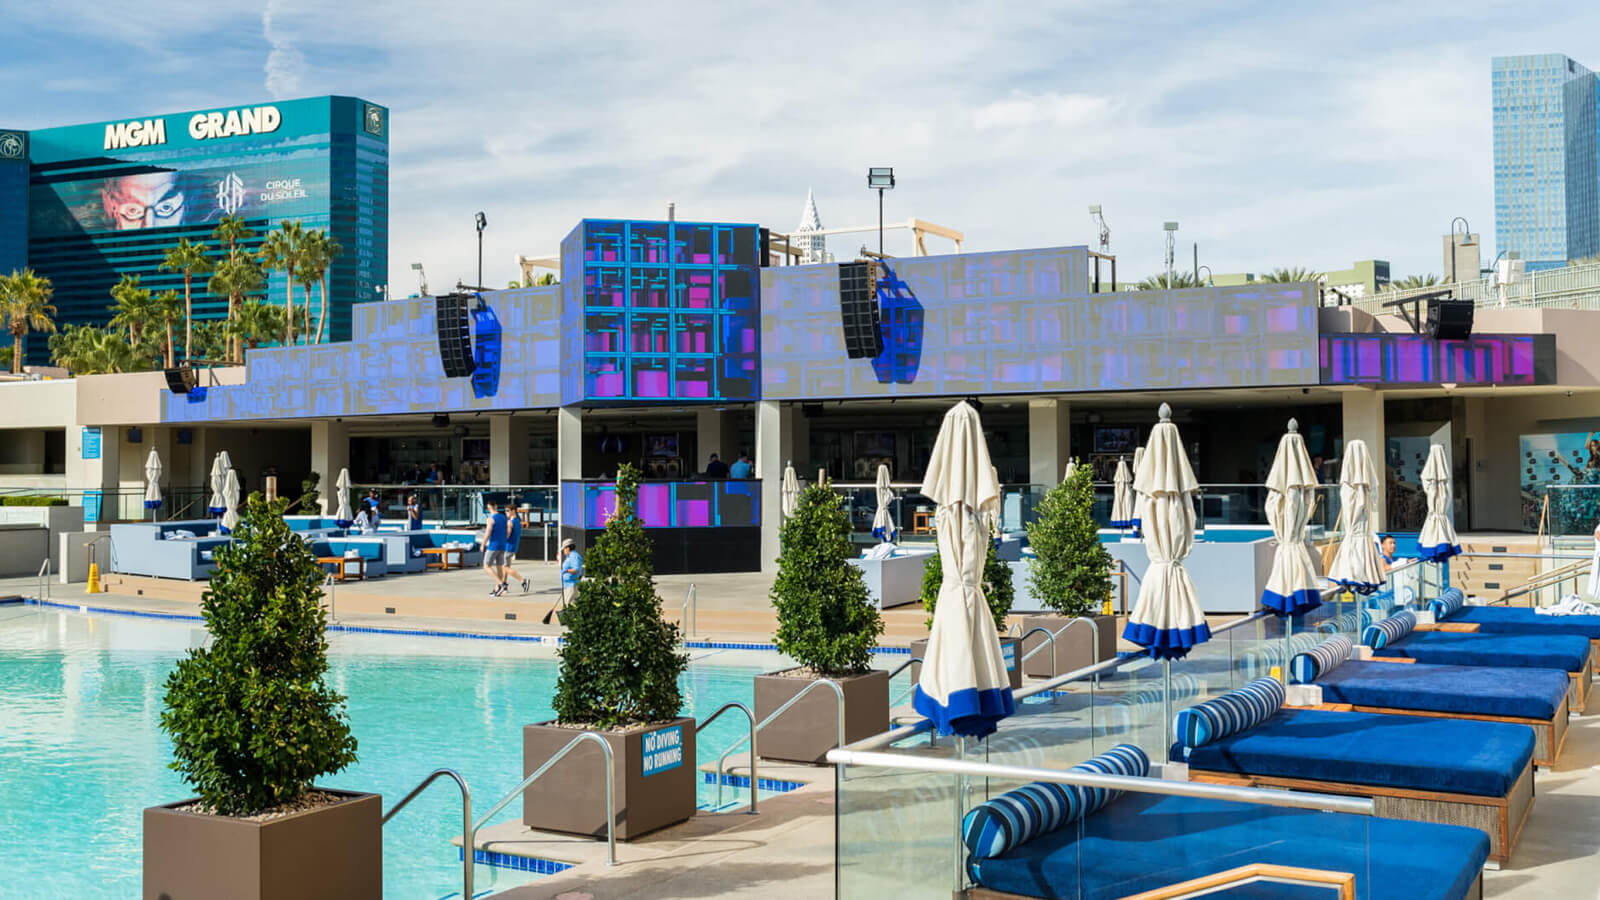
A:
1208,274
482,222
1105,230
880,179
422,277
1466,241
1171,228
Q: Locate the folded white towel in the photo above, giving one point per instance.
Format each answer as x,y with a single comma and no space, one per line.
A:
352,554
1570,605
179,534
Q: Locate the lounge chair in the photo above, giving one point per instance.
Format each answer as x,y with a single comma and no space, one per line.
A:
1533,697
1451,607
1139,842
1400,638
1446,771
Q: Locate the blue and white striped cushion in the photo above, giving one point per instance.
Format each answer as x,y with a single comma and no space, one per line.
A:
1448,603
1019,816
1230,713
1319,660
1389,630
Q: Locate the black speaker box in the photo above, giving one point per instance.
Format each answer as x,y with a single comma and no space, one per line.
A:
455,341
180,381
858,310
1449,320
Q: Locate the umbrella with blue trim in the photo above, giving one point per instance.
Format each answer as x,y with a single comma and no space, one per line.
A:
216,506
1437,542
343,516
1293,586
1167,617
1122,496
964,688
883,521
152,481
1357,564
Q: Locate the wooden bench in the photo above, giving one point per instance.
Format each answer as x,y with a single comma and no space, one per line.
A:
341,567
439,557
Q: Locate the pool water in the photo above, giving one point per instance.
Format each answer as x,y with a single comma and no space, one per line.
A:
82,753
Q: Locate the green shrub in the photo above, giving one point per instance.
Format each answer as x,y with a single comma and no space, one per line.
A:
1072,571
826,619
621,661
309,495
997,587
251,720
33,501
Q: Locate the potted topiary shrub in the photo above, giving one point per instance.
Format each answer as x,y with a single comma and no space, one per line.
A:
619,678
253,726
1070,573
997,590
828,624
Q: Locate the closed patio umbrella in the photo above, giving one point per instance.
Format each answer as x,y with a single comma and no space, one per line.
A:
964,688
216,506
1122,496
1136,507
343,516
1293,586
152,481
230,496
882,522
789,494
1437,542
1167,617
1072,466
1357,564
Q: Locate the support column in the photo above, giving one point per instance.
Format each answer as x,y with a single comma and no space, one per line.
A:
775,446
1363,420
569,455
508,450
330,452
100,474
1048,440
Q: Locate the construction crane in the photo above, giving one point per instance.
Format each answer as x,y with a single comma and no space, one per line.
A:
529,263
918,228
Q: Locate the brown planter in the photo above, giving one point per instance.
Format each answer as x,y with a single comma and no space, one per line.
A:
330,853
1075,648
653,788
1010,648
810,728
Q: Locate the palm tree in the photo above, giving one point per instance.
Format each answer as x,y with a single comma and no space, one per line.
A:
237,277
321,250
189,258
231,231
86,350
1180,279
212,339
134,309
281,250
1291,275
1413,282
25,302
254,321
167,311
306,274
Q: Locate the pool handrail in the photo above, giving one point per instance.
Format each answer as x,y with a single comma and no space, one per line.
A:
41,588
611,801
468,832
690,613
734,704
896,671
838,693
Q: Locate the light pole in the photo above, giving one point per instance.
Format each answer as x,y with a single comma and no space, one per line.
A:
1197,275
880,179
1104,229
1466,233
422,277
1171,228
482,222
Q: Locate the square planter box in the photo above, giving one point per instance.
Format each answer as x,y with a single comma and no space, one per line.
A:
1010,650
654,779
331,853
810,728
1075,648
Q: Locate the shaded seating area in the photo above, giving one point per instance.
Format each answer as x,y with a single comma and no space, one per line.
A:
182,549
369,550
1400,638
1427,769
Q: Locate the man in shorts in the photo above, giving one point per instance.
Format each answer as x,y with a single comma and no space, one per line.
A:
495,533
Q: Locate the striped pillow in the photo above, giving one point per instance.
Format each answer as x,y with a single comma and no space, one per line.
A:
1448,603
1230,713
1016,817
1389,630
1319,660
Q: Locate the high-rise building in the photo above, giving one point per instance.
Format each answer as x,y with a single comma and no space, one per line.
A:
815,246
13,200
107,199
1542,161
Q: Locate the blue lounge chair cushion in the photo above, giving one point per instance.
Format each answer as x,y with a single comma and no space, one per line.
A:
1382,634
1146,841
1459,756
1020,815
1448,603
1320,660
1474,690
1523,620
1558,651
1230,713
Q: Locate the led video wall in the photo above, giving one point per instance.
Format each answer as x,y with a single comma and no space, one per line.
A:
666,504
1398,359
1025,321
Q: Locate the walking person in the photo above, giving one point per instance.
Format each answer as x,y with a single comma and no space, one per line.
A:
571,571
494,546
508,572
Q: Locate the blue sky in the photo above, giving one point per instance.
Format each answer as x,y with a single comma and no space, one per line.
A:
1274,133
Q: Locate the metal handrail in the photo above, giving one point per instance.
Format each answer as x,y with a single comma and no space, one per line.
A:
690,613
611,801
1543,580
903,666
41,590
837,691
909,690
468,832
753,778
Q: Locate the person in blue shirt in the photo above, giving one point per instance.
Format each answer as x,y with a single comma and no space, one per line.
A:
571,571
507,572
413,514
740,469
495,532
1386,549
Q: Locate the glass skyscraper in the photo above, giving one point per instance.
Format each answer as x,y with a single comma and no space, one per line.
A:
1545,165
108,199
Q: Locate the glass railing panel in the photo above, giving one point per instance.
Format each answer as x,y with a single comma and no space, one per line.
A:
897,828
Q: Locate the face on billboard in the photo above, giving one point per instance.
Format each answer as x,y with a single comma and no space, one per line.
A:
151,200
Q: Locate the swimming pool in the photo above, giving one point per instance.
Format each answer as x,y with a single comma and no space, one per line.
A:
82,753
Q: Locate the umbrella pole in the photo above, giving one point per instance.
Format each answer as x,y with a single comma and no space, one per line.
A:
1166,703
960,882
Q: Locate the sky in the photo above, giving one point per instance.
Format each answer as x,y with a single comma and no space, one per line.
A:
1275,134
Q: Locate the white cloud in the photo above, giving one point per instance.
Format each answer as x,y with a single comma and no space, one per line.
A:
286,65
1050,109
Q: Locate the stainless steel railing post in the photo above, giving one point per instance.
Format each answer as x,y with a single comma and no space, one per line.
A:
838,693
610,776
754,778
468,832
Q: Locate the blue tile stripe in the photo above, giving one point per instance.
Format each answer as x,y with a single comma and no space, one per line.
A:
513,861
743,781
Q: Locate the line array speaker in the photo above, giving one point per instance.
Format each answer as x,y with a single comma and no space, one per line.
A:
1449,320
858,310
181,380
455,341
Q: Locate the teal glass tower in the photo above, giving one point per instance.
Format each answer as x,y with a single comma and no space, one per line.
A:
1543,160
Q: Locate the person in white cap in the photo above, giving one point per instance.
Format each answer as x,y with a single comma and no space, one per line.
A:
571,570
